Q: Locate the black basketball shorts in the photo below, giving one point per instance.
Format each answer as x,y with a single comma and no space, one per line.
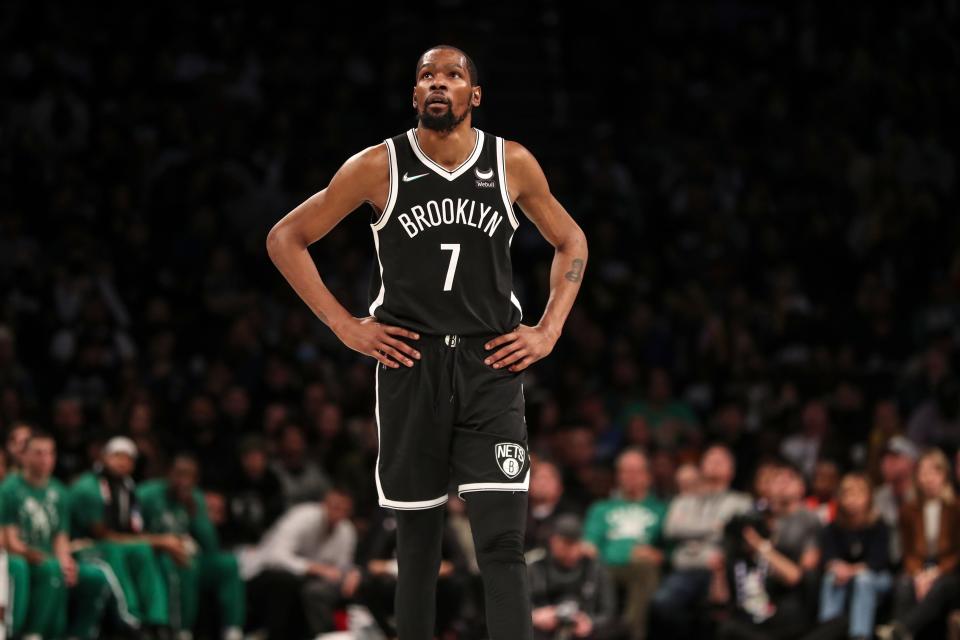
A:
449,419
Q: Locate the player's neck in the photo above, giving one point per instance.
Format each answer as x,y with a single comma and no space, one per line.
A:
448,149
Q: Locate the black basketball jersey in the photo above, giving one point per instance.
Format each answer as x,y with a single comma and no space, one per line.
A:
443,242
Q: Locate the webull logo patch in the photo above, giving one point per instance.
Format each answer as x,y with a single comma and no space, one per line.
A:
510,458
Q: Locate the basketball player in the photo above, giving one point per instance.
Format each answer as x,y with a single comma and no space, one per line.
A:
445,328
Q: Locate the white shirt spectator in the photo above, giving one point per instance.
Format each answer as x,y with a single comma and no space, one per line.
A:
297,540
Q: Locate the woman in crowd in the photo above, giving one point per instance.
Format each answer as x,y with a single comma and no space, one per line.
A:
930,535
856,559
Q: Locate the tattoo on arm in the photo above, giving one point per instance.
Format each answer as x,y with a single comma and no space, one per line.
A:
576,269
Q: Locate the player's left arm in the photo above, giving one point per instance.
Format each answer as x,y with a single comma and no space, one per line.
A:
528,187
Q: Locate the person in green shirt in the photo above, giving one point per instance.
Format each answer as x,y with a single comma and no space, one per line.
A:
105,513
175,506
625,531
35,518
15,571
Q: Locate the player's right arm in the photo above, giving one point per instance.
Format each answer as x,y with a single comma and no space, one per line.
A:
364,178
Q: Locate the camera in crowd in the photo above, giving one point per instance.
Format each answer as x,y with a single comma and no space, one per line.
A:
567,612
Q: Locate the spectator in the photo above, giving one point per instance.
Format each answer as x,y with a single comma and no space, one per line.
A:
204,433
769,554
886,426
70,428
546,501
35,519
856,558
671,421
574,449
303,567
930,535
254,496
694,528
16,443
897,470
687,480
626,534
303,480
571,592
176,507
804,449
936,422
823,490
105,511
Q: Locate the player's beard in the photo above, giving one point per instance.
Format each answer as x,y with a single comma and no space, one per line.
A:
444,123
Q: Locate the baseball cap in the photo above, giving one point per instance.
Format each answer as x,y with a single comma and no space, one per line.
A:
902,445
120,444
568,526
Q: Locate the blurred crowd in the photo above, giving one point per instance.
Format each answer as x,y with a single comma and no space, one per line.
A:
745,430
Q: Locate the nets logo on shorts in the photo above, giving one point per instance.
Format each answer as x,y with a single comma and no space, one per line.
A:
510,458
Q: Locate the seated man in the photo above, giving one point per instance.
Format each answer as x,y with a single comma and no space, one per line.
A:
770,555
303,565
694,526
34,513
176,507
626,532
104,510
571,593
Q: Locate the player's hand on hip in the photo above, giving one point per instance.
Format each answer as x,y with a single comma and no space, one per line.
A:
380,341
520,348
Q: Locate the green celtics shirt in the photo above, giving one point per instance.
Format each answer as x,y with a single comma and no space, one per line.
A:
162,514
39,513
615,526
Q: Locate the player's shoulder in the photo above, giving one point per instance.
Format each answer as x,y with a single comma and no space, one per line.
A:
515,151
371,157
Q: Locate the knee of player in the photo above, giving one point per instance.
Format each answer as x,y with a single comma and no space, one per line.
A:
501,546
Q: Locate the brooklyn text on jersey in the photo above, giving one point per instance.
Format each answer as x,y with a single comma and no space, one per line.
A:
443,242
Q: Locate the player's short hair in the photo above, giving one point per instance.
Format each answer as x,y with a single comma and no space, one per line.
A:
471,67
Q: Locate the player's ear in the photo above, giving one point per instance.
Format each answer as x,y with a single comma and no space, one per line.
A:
414,97
475,98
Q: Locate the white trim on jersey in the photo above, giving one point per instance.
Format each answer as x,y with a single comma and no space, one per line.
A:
402,505
392,192
504,191
387,210
442,171
495,486
505,195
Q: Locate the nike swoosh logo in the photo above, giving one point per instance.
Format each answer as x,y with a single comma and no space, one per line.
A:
484,175
407,178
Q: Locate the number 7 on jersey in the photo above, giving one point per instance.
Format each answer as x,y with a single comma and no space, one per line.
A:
452,267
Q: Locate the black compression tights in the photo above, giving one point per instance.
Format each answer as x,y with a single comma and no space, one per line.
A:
497,519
